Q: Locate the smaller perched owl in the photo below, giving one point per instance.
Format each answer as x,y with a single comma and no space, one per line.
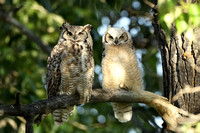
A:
120,68
70,67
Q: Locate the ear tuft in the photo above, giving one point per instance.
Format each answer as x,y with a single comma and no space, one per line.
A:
123,28
64,25
109,26
88,27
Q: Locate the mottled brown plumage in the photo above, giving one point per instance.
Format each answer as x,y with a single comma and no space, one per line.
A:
70,67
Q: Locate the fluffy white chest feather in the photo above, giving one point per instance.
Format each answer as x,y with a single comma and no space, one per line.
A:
118,66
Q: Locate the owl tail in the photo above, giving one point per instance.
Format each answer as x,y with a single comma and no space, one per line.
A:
61,115
122,111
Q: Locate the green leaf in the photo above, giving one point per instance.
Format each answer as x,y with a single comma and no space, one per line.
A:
181,25
169,18
194,14
189,34
194,10
198,127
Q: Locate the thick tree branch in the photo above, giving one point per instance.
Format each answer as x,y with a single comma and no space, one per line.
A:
169,113
8,18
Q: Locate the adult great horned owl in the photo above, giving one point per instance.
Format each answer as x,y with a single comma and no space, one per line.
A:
120,68
70,67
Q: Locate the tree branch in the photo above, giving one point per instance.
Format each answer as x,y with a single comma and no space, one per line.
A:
169,113
8,18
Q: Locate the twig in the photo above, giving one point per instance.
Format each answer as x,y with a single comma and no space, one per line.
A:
136,13
149,3
14,10
29,124
79,125
17,103
187,89
8,18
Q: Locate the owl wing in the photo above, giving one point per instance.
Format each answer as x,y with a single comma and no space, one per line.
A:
103,51
133,49
53,74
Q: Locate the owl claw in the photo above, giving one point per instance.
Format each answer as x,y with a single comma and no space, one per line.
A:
84,100
87,99
63,93
123,86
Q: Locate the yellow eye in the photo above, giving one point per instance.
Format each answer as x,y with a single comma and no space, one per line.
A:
110,37
69,33
121,37
80,33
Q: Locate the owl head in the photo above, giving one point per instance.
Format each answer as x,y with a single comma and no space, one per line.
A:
75,33
116,36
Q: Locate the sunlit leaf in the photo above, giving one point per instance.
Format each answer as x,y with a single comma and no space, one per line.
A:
181,25
198,127
177,12
194,10
169,18
190,34
194,14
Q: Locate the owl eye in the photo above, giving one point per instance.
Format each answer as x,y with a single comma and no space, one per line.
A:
69,33
110,37
80,33
121,37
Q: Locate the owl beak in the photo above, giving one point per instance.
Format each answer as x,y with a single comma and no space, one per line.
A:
116,41
75,37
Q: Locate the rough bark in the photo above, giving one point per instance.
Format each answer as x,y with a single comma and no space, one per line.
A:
181,63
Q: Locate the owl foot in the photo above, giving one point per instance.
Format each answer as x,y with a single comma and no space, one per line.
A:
81,101
123,86
84,100
63,93
87,99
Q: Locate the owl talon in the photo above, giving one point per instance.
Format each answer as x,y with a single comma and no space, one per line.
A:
84,100
123,86
87,99
63,93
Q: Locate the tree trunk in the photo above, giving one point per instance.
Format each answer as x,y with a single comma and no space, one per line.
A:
181,66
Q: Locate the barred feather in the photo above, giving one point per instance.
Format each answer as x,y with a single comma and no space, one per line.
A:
70,67
61,115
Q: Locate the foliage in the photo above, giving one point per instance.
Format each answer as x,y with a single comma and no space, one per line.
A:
185,16
23,63
189,128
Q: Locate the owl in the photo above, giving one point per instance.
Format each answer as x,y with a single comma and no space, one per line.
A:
70,67
120,68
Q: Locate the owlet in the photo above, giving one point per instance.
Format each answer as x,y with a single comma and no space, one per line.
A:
70,67
120,68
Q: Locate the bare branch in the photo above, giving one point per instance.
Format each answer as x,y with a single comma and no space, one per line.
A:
187,89
165,109
8,18
149,3
171,114
17,103
136,13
